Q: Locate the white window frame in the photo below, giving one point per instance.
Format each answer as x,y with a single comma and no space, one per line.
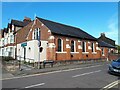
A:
3,42
11,51
61,45
13,27
93,52
6,40
74,44
62,51
33,35
11,38
74,47
36,33
93,48
85,48
3,52
75,51
109,50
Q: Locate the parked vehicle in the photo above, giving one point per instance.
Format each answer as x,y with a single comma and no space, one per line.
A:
114,67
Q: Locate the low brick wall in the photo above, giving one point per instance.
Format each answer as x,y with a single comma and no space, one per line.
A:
58,63
113,56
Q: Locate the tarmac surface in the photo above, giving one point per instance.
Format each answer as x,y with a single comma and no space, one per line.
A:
90,75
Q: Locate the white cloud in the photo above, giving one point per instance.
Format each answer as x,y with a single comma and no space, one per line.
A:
113,28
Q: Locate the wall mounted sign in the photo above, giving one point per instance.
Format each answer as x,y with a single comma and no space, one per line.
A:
23,44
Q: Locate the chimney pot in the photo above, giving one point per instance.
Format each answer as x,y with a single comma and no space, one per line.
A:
27,19
103,34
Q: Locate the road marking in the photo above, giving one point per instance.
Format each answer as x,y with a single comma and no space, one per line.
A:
111,85
81,68
35,85
50,72
86,73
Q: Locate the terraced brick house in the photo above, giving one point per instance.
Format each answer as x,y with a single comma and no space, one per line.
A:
8,39
1,42
107,42
105,48
23,39
59,42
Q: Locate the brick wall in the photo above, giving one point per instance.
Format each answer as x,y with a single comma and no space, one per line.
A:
52,45
66,54
113,56
26,35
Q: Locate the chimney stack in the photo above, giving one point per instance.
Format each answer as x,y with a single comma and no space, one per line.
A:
27,19
102,34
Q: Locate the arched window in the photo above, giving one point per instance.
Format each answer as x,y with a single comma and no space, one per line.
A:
83,46
93,47
59,45
36,34
72,46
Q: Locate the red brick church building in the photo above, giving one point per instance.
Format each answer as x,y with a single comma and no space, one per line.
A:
59,42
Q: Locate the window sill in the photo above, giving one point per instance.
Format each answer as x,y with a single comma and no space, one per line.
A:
94,52
61,52
85,52
103,54
73,52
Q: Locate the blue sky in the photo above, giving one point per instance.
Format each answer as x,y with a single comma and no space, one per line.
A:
92,17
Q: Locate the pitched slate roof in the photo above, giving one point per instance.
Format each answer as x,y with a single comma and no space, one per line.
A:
61,29
2,32
106,39
19,23
104,44
23,32
5,30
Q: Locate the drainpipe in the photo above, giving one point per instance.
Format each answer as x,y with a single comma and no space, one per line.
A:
39,45
108,55
39,65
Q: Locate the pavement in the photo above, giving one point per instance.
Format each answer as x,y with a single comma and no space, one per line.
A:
94,75
28,70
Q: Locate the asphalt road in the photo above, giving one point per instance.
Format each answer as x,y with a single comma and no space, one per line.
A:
95,76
